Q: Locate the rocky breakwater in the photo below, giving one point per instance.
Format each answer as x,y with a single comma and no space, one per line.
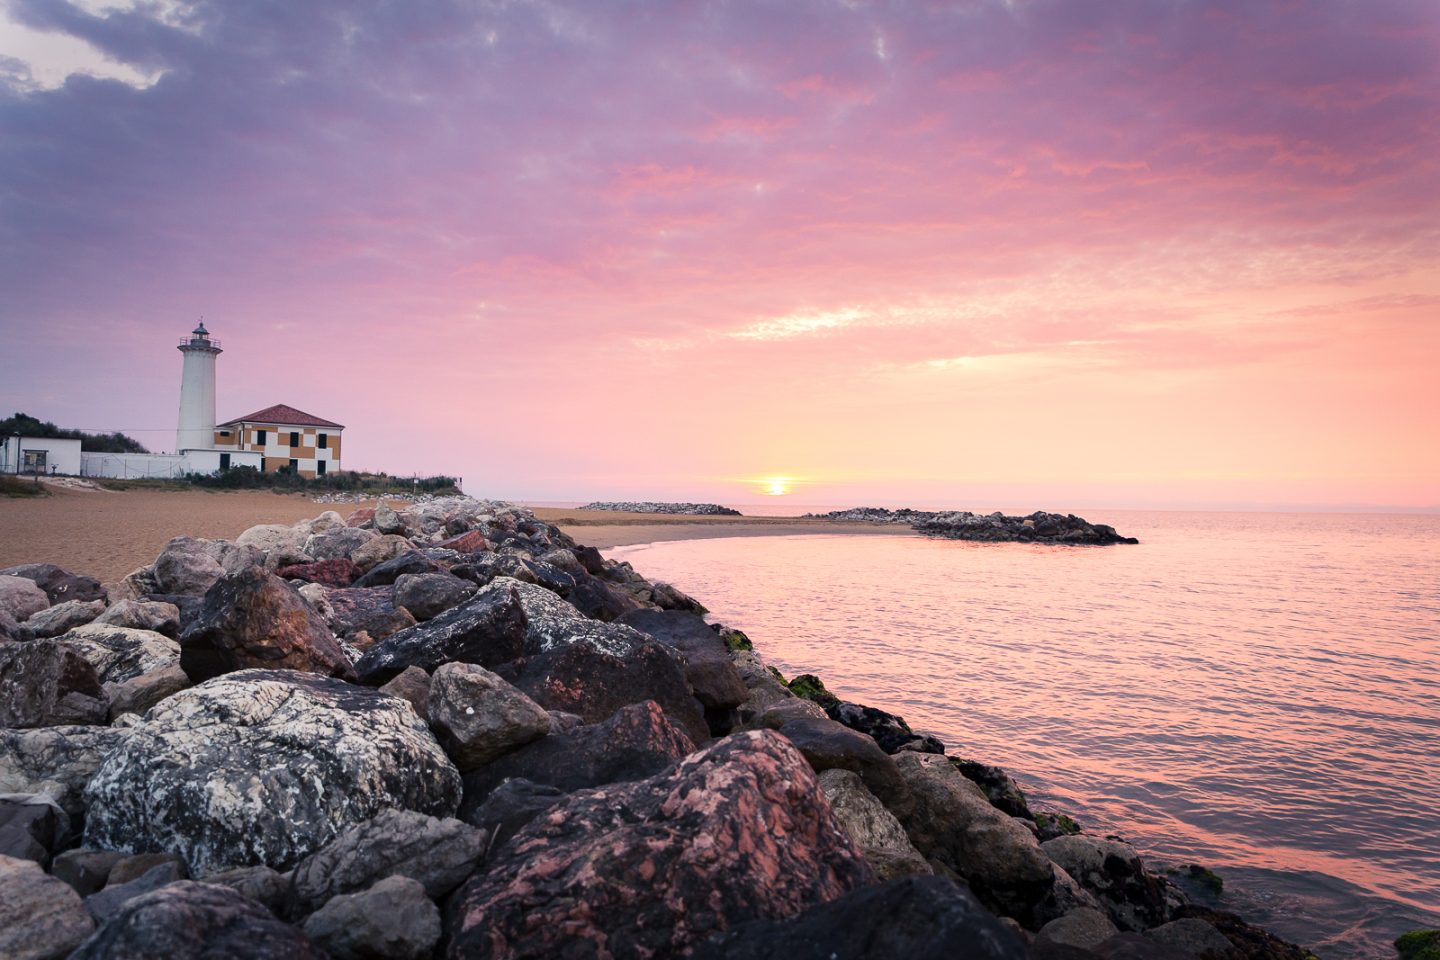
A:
1038,527
451,731
650,506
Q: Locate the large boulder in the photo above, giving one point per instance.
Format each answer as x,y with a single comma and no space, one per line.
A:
478,717
162,618
888,730
393,919
1112,872
708,667
59,584
329,573
387,520
47,683
41,918
20,598
255,619
951,821
281,544
339,543
32,826
832,746
736,832
55,761
488,630
380,549
122,653
384,574
873,828
917,918
587,680
63,616
427,595
438,853
510,806
189,919
264,767
637,741
186,566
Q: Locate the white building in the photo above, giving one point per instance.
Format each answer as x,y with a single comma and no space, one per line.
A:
42,455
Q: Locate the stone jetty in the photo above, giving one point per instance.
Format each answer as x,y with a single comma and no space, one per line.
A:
449,730
650,506
1038,527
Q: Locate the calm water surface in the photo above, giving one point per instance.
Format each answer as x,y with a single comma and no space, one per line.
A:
1259,693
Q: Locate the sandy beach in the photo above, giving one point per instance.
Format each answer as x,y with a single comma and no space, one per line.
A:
107,534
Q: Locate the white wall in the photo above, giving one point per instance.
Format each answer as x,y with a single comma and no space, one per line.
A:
134,466
61,456
208,461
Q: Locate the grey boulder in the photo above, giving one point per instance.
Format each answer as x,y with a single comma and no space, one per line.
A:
142,615
55,761
478,717
394,919
1112,872
40,917
427,595
123,653
63,616
264,767
873,828
21,598
488,629
47,683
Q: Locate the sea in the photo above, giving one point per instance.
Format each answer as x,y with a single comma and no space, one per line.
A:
1256,693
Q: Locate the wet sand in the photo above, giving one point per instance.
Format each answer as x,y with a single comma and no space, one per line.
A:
108,534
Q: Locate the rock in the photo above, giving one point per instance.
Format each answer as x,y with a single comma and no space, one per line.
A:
47,683
63,616
186,566
1084,928
478,717
260,884
667,597
108,902
583,680
763,687
188,607
889,731
387,520
32,826
915,918
511,805
1050,824
1038,527
163,618
873,828
255,619
139,694
736,832
427,595
10,630
439,853
786,711
21,599
473,541
650,506
119,654
637,741
828,745
412,684
55,761
365,608
85,870
1193,937
379,550
488,629
952,822
393,919
384,574
136,865
340,543
997,785
363,517
40,917
189,919
1122,946
281,543
712,675
264,767
598,599
1112,872
1249,941
60,585
329,573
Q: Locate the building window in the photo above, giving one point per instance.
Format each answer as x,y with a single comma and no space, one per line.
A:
35,461
260,437
224,461
324,441
295,466
319,468
224,433
294,438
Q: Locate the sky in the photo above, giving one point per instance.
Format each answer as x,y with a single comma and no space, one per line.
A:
973,254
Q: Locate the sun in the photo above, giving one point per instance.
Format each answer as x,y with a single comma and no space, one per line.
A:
776,486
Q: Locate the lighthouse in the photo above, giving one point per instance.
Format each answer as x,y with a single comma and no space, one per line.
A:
197,391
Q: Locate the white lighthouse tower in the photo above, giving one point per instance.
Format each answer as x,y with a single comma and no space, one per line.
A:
197,391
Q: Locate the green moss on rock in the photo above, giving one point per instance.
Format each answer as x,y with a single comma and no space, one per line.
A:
736,640
811,688
1053,824
1207,880
1419,945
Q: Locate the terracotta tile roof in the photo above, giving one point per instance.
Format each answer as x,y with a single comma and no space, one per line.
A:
280,413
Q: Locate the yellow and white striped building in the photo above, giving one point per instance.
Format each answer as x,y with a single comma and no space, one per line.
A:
283,436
